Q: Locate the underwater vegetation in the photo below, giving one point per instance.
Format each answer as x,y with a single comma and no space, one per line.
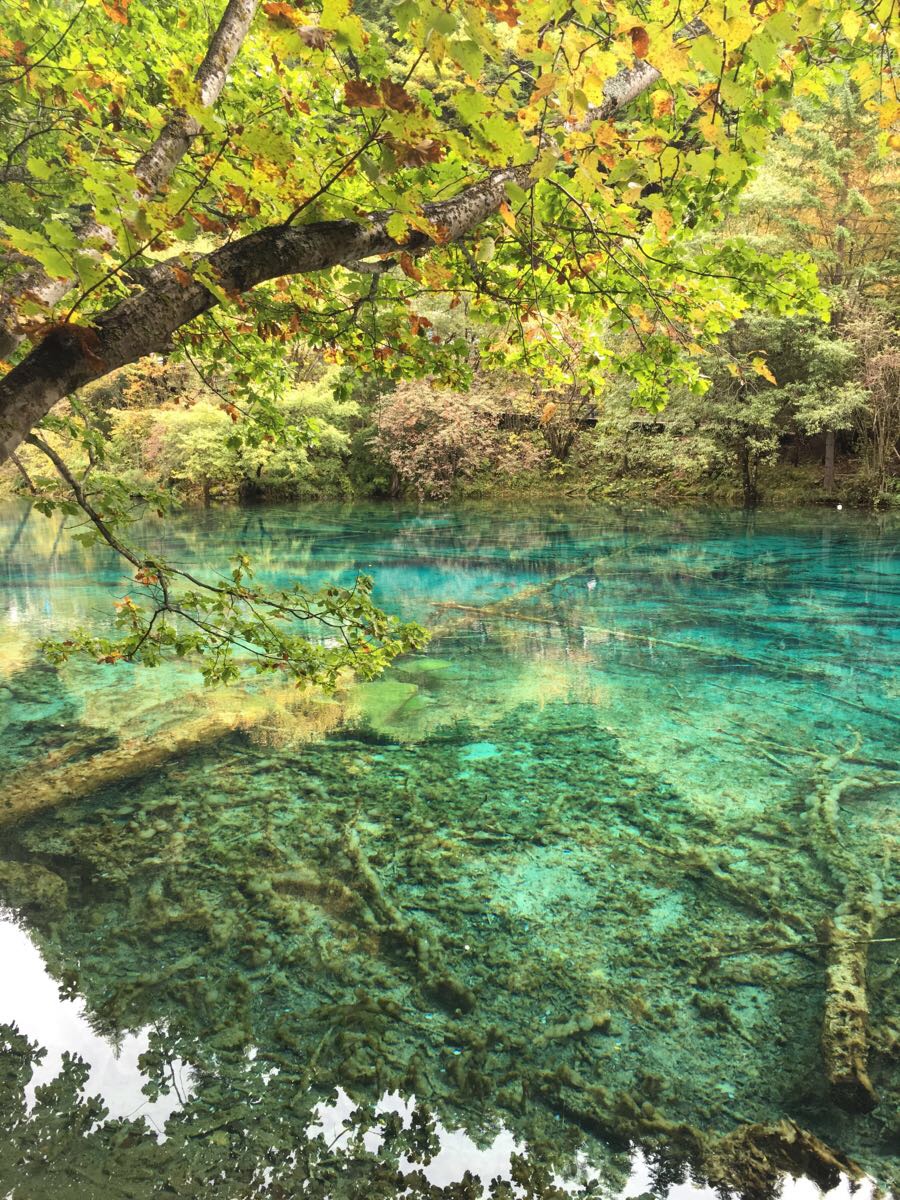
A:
611,865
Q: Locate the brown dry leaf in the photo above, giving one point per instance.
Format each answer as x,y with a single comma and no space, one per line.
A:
360,94
314,37
396,97
640,41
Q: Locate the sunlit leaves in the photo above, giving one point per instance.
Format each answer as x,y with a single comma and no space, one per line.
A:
332,115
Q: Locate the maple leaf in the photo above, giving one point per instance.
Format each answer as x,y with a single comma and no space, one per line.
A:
360,94
282,14
507,12
416,154
761,367
116,11
396,97
409,268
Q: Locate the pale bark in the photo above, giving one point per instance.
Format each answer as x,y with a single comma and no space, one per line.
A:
156,166
845,1027
54,781
625,87
153,169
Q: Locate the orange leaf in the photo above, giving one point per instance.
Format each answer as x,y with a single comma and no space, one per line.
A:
181,275
640,41
508,215
409,268
548,411
116,11
506,11
282,14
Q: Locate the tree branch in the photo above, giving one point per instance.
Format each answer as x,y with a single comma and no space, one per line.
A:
71,356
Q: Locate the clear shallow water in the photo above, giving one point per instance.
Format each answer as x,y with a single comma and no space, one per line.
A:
559,880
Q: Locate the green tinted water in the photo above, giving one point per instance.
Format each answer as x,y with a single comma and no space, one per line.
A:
546,902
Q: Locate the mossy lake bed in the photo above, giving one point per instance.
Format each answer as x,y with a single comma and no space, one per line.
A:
595,895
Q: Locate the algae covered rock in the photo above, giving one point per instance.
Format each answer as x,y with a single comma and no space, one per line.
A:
386,704
31,887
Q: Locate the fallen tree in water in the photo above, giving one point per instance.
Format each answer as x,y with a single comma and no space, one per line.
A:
845,1029
56,780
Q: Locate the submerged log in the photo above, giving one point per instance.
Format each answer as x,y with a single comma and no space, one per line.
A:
54,780
845,1029
754,1159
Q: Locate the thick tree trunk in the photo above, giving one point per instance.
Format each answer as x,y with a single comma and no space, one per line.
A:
73,355
153,169
828,479
748,477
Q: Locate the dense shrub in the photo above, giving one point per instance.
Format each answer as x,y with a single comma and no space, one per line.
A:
434,438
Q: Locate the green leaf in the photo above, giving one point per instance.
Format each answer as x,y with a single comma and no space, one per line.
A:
467,55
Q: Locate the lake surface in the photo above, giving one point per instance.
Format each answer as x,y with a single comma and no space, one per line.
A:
540,913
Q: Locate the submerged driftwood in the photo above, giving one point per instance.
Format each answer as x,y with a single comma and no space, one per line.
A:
845,1029
56,780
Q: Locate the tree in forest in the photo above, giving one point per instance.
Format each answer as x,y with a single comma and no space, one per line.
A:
317,175
831,186
434,438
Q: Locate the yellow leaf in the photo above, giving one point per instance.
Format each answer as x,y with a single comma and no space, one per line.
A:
851,23
662,104
760,366
437,48
544,87
791,121
713,132
739,29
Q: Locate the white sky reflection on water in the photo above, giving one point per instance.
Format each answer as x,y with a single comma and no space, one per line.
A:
459,1153
29,998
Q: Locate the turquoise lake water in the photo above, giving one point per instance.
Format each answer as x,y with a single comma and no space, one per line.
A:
544,904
